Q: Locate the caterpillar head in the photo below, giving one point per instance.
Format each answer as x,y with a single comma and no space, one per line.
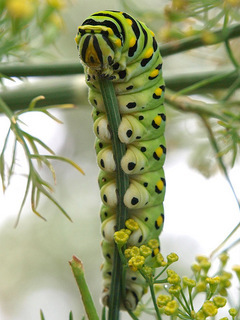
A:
97,47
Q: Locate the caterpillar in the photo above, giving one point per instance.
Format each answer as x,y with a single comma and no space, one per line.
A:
115,46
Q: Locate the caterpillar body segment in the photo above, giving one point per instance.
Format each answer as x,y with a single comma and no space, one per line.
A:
115,46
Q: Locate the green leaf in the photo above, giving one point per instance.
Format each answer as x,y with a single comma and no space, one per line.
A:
41,315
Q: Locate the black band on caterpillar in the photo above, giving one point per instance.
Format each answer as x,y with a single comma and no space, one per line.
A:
116,46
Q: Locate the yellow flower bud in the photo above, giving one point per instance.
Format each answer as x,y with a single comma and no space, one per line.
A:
209,309
145,251
175,290
173,277
171,308
219,301
131,224
121,237
136,262
163,299
172,257
187,282
153,244
233,312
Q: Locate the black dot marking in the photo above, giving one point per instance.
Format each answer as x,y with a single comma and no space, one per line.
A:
163,148
140,117
122,74
163,116
105,198
156,225
140,239
111,78
142,168
145,184
155,45
108,256
164,181
131,166
105,214
162,215
94,78
102,163
95,101
97,129
131,105
144,62
97,112
134,278
138,137
143,149
100,145
109,273
146,219
134,201
129,133
88,77
129,88
157,190
103,233
116,66
110,60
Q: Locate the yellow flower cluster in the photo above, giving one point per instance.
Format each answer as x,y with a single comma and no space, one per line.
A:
20,9
178,301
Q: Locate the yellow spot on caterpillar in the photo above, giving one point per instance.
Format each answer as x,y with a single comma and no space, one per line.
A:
148,53
159,221
129,21
110,31
91,57
132,42
118,42
158,91
152,33
160,185
158,120
154,73
159,152
77,38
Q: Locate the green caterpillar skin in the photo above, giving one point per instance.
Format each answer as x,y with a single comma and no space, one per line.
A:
116,46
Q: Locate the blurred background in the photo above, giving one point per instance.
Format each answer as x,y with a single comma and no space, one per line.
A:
200,211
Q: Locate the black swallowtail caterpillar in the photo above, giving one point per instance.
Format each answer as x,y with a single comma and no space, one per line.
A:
116,46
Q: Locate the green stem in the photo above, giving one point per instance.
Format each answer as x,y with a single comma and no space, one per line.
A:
122,183
158,316
193,42
78,272
69,90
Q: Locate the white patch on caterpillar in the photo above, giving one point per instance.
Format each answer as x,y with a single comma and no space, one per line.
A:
106,161
101,129
129,129
109,228
108,194
134,161
136,196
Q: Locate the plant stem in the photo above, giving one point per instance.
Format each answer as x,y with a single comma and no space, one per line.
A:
193,42
122,183
78,273
173,47
71,90
158,316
